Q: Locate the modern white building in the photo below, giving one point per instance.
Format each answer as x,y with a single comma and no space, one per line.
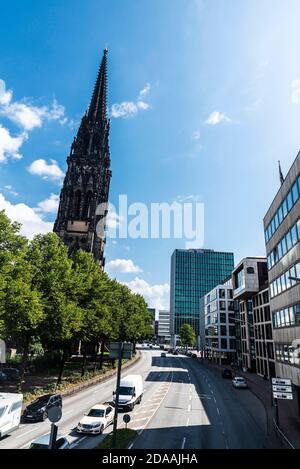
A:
164,335
220,324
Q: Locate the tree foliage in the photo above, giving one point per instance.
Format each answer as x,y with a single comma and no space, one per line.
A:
47,296
187,335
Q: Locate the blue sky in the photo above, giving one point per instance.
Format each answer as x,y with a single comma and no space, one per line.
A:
233,64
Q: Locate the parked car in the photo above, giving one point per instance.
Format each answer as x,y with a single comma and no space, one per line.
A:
239,382
131,391
10,412
174,352
37,411
194,355
163,354
96,419
13,374
227,373
3,377
42,442
162,347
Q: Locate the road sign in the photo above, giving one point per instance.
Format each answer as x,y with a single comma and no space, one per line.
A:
283,395
126,418
126,350
54,414
282,388
281,382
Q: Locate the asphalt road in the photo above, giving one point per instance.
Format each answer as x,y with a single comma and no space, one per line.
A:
184,406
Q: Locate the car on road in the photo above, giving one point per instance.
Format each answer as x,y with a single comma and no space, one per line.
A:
194,355
10,412
96,419
12,374
3,377
227,373
163,354
162,347
42,442
174,352
239,382
130,392
37,411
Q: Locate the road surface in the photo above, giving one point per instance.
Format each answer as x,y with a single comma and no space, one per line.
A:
185,405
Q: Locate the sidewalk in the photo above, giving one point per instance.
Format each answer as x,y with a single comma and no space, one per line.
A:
289,422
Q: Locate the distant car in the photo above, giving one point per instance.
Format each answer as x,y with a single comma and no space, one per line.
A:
42,442
162,347
96,419
194,355
13,374
37,411
239,382
163,354
170,350
227,373
150,346
3,377
175,352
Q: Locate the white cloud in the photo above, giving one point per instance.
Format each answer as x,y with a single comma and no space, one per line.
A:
217,117
11,190
131,108
123,266
46,170
10,146
5,96
196,135
157,296
32,223
26,115
113,220
146,90
295,97
49,205
125,109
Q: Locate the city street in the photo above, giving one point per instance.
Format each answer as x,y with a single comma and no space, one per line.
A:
184,406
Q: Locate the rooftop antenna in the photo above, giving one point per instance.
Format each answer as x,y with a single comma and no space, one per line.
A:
280,173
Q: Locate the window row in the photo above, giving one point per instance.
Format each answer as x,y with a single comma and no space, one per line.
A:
285,244
288,354
283,210
284,282
287,317
220,330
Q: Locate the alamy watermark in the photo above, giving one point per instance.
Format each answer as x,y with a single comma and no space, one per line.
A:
178,220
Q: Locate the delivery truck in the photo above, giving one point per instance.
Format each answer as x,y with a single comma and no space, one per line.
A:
131,391
10,412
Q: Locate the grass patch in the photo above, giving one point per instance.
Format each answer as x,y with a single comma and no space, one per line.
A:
124,436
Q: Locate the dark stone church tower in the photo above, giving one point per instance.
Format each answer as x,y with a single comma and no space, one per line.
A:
87,180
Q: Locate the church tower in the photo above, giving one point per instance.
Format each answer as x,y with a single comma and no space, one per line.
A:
86,184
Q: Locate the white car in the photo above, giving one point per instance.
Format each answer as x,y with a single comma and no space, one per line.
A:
239,382
42,442
96,419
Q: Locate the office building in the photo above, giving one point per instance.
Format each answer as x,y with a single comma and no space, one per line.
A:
220,324
254,339
194,272
282,236
163,326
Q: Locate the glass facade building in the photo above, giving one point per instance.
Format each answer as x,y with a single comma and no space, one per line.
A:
195,272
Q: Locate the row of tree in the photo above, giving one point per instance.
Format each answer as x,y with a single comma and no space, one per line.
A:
48,297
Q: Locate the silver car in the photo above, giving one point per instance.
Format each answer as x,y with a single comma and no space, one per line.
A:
42,442
239,382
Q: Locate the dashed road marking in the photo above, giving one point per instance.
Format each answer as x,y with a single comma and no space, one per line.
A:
218,410
183,443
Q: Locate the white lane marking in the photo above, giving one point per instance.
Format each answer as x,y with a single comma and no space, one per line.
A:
218,410
130,446
187,422
183,443
78,442
209,385
211,391
26,433
189,408
215,400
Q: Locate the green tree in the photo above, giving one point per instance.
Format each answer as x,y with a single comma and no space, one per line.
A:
187,335
54,279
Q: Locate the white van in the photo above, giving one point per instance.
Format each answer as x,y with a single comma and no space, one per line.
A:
131,391
10,412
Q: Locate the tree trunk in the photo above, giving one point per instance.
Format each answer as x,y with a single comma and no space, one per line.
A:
102,354
24,361
95,356
62,366
83,367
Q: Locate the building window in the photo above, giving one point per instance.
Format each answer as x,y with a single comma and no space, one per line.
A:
223,343
250,270
221,293
222,305
223,330
223,317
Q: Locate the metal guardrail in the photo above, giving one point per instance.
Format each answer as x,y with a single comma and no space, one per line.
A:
284,439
